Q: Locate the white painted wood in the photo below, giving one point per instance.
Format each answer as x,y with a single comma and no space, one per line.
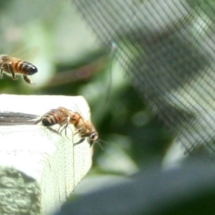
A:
48,158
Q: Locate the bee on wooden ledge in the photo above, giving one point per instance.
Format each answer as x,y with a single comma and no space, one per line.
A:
14,66
64,117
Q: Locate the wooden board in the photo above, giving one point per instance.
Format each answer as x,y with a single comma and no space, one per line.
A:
46,166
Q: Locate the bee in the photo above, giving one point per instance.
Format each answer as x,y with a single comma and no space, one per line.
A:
84,128
64,117
61,116
15,66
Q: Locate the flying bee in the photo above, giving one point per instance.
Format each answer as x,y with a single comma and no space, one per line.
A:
61,116
15,66
84,128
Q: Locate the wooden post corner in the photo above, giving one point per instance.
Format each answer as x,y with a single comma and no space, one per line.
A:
39,168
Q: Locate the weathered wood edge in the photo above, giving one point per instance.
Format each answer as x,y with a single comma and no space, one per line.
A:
48,158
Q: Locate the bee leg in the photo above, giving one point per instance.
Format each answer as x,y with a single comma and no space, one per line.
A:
27,80
51,129
80,141
14,76
60,129
1,72
63,125
67,123
12,73
74,133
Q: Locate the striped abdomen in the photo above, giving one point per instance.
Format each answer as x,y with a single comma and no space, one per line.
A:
53,117
23,67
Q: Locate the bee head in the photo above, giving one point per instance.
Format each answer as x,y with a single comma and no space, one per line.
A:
4,57
93,137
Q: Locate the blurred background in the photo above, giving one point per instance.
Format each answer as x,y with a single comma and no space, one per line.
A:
51,35
150,58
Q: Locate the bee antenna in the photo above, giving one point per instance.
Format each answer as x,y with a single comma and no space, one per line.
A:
100,145
77,109
102,141
99,141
